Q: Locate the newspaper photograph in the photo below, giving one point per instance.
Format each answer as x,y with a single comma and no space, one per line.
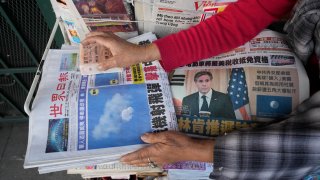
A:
104,16
78,117
70,27
257,82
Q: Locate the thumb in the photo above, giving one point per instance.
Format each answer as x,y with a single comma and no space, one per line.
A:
312,102
99,39
155,137
109,63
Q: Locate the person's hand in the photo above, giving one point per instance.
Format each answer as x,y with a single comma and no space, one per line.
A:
310,109
169,147
123,53
312,102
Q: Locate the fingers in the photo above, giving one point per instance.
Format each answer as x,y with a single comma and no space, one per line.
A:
312,102
112,62
96,33
139,157
107,64
162,149
161,137
312,114
154,137
99,39
153,151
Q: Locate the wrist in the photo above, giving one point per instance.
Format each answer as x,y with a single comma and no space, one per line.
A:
202,150
151,52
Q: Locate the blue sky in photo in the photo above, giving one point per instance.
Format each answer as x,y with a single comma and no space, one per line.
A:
118,116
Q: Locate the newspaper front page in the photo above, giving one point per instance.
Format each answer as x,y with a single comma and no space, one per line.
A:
76,118
171,16
262,80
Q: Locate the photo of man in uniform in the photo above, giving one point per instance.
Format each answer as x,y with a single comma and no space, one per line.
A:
207,100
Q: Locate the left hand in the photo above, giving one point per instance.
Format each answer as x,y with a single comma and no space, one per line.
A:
169,147
124,53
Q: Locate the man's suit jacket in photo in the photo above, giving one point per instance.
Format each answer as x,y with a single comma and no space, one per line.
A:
220,105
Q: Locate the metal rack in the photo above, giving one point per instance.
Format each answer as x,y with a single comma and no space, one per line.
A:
37,78
24,33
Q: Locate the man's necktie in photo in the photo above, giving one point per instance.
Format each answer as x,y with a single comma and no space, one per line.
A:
204,106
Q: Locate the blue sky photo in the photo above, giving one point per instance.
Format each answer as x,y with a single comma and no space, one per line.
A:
117,116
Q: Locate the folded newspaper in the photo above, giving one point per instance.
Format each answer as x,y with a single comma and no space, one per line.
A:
80,120
103,170
167,17
260,81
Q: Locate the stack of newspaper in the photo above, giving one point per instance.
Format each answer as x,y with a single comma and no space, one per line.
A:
82,120
79,17
263,79
166,17
85,123
105,16
260,81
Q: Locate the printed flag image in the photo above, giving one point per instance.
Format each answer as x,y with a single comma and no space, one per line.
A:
238,92
273,106
117,116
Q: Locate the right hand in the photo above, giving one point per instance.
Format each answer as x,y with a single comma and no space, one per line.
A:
169,147
309,110
123,53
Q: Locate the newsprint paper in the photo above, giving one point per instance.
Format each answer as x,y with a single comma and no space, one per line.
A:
164,17
88,119
259,81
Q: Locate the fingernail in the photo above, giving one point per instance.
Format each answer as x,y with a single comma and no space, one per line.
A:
100,67
144,136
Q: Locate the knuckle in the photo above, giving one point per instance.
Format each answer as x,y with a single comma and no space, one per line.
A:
317,95
313,114
140,157
157,147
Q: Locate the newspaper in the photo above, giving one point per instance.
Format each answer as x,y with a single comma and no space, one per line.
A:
70,26
170,16
99,164
261,80
107,169
191,173
143,14
104,16
83,119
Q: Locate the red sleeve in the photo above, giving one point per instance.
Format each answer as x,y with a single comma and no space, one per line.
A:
237,24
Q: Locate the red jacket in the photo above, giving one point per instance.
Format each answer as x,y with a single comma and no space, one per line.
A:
237,24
